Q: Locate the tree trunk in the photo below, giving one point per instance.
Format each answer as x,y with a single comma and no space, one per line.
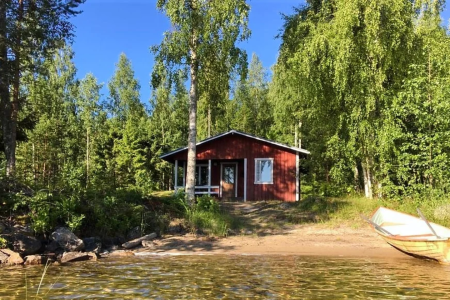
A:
10,108
367,173
295,136
430,129
87,157
356,178
298,135
192,139
5,103
209,120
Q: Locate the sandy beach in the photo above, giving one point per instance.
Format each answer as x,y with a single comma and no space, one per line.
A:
269,233
309,239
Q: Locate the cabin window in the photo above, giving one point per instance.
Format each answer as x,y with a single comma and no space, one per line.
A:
263,170
201,175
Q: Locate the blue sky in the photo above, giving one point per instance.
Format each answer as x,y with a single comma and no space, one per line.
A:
107,28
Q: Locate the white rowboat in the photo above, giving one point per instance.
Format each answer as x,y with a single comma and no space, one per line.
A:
411,235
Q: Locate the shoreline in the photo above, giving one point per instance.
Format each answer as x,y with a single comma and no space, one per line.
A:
302,240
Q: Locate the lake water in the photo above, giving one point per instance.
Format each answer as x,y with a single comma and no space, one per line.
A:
231,277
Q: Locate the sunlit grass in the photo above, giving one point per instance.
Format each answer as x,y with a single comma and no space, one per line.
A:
348,209
270,216
335,211
212,223
162,194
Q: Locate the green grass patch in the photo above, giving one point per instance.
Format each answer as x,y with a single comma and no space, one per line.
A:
211,223
207,216
162,194
333,211
348,210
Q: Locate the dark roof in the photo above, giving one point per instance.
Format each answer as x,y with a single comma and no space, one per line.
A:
299,150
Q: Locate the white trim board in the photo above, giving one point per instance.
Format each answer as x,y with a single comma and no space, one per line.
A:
245,179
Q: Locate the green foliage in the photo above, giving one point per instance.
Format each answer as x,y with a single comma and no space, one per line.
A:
253,113
113,215
216,224
30,32
87,164
3,243
208,204
203,38
204,216
335,211
366,82
363,85
47,210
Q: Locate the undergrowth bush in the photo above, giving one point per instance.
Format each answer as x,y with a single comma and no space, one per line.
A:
206,216
3,243
86,212
114,214
207,204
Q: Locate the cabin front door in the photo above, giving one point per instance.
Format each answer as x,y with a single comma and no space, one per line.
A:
229,180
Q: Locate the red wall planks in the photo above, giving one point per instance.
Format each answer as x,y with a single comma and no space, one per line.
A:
235,147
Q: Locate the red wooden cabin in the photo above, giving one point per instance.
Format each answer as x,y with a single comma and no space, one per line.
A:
237,165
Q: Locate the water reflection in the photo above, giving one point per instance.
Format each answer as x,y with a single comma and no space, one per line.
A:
231,277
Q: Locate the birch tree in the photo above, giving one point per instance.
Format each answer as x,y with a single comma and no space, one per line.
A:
201,31
89,110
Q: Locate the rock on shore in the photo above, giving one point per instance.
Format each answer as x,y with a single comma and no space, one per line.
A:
67,240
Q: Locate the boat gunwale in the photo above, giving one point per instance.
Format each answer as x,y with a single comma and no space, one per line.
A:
410,238
407,237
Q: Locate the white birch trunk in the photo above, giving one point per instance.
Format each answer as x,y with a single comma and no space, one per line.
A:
356,177
192,139
367,173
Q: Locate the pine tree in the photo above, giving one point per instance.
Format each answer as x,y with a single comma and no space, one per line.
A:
29,31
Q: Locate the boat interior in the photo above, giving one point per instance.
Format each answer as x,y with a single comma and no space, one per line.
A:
408,226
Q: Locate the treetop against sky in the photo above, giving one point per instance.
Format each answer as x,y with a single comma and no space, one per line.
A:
106,28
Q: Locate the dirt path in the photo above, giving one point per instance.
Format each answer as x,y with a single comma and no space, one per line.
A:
270,234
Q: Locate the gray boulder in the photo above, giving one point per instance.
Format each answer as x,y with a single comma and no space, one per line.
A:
52,246
34,260
23,229
26,245
92,244
67,240
78,256
3,257
13,258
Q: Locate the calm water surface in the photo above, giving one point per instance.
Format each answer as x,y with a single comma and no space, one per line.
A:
231,277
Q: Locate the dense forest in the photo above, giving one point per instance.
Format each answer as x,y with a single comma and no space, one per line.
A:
363,85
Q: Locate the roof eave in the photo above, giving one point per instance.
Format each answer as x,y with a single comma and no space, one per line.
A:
295,149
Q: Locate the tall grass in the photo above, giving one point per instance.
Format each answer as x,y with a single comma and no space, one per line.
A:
206,216
212,223
434,209
347,210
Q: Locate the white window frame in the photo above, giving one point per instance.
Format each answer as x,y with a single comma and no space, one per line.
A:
256,170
